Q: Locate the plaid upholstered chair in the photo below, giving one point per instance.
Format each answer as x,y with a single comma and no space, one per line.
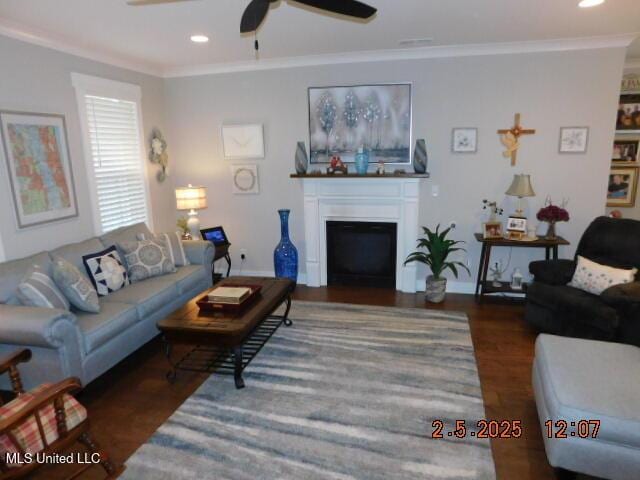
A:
44,421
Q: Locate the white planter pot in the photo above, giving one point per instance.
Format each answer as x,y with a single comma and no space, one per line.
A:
436,289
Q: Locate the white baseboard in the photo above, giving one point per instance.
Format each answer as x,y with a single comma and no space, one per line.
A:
302,277
452,286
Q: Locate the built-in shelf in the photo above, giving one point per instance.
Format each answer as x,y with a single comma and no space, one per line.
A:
355,175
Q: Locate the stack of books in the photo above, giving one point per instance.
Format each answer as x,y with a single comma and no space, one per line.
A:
229,295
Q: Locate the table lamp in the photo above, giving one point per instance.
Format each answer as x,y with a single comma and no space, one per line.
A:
521,187
192,198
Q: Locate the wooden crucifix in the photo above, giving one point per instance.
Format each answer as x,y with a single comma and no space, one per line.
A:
511,139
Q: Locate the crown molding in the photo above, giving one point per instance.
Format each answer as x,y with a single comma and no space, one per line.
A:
42,39
470,50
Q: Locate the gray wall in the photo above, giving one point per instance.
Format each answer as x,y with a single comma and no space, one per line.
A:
37,79
549,89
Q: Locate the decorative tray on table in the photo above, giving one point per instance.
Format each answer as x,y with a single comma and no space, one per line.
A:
230,298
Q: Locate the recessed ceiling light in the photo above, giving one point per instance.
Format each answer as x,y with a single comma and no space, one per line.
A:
590,3
199,38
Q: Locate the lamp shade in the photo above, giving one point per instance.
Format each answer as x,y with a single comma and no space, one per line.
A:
521,187
191,198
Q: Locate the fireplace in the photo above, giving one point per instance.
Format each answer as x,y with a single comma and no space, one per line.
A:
361,253
391,199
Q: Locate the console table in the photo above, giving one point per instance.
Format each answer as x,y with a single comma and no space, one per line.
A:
484,286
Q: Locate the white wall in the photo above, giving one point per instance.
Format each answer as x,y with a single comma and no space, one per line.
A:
549,89
37,79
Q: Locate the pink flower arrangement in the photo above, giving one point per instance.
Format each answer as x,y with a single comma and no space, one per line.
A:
552,213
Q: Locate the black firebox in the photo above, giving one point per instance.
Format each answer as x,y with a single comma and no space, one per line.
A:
361,254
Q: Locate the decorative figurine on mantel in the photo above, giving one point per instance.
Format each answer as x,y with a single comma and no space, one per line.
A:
380,169
337,166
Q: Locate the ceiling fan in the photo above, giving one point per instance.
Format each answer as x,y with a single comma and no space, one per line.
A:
256,11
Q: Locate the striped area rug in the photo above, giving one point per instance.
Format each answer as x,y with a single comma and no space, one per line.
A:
347,392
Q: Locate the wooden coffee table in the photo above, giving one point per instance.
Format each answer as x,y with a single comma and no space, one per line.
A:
227,342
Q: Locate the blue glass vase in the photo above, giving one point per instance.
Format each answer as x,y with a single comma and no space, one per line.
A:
362,161
285,256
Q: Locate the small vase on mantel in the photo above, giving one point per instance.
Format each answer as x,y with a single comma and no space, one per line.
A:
362,161
302,160
420,157
285,256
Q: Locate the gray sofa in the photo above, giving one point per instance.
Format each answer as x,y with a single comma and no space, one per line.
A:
576,380
85,345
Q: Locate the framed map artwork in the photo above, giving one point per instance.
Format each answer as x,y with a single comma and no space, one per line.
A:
36,152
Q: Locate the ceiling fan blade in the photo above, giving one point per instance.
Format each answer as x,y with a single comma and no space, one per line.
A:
254,15
141,3
352,8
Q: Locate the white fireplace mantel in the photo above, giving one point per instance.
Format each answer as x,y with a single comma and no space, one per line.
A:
393,200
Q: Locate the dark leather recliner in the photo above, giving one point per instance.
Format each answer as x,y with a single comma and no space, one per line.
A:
554,307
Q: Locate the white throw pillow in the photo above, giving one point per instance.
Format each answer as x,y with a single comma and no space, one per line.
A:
595,278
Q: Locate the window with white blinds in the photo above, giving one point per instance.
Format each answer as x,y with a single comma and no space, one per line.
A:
113,132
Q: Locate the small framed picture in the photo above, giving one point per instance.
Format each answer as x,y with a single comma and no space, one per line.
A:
623,185
517,224
464,140
629,113
243,141
625,151
574,139
245,179
492,229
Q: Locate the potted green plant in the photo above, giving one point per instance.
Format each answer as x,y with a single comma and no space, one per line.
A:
438,248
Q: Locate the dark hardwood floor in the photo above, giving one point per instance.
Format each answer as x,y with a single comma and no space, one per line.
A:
129,403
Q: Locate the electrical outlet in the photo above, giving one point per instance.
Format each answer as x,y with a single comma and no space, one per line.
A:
243,254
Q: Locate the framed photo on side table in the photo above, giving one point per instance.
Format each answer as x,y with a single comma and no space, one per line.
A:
492,230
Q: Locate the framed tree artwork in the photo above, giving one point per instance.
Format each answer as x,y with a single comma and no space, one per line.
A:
376,117
36,152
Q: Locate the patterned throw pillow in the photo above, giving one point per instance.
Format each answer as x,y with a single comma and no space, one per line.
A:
173,240
38,290
595,278
146,259
75,286
106,271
